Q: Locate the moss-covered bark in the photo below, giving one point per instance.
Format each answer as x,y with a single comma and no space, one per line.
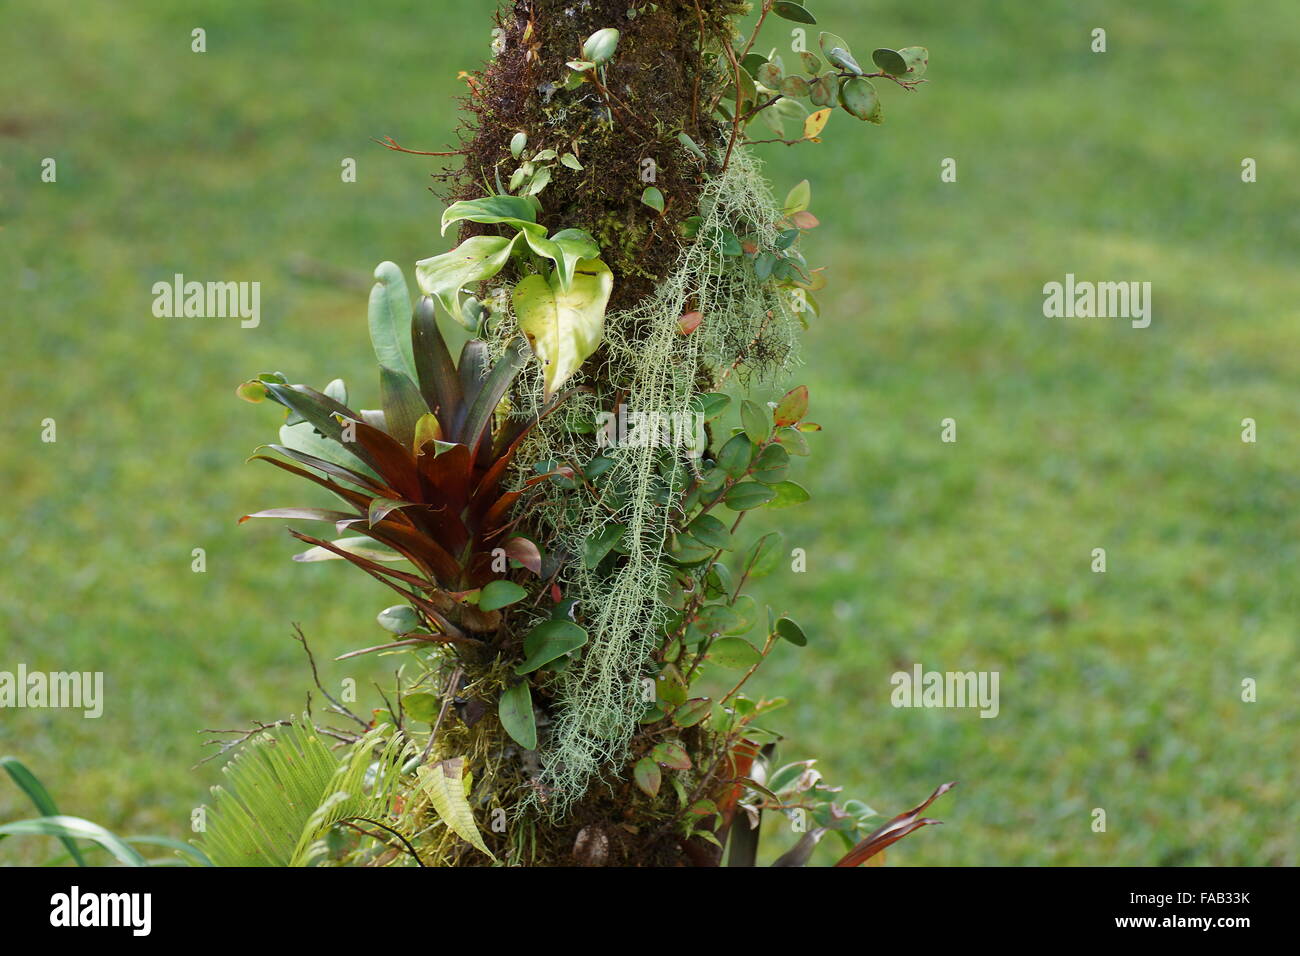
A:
659,85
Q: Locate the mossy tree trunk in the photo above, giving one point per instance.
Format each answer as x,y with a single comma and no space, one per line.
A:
624,129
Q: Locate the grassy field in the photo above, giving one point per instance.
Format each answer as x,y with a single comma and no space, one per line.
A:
1119,690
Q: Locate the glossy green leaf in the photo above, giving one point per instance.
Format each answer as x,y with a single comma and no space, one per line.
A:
889,61
747,495
595,547
403,405
771,465
755,421
788,494
792,11
734,653
499,594
765,555
735,456
515,710
548,641
711,404
791,631
709,531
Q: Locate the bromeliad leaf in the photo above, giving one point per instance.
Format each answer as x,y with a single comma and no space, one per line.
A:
362,547
564,326
390,321
403,405
303,438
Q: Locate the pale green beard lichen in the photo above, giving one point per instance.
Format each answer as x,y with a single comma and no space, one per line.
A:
746,325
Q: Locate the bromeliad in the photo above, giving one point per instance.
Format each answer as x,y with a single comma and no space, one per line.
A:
423,478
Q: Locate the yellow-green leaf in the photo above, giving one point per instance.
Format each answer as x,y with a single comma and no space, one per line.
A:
444,784
564,326
475,259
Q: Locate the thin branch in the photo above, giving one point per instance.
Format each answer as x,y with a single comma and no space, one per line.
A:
389,143
452,686
301,638
406,843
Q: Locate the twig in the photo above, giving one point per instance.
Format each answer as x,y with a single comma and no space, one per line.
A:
301,638
409,849
243,737
389,143
447,694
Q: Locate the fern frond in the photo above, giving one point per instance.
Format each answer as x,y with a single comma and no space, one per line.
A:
363,787
287,789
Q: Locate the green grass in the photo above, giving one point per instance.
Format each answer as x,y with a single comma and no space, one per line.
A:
1119,691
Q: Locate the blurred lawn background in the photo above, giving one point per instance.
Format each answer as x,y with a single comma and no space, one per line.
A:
1119,691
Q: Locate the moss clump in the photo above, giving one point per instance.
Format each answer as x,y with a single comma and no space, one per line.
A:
656,84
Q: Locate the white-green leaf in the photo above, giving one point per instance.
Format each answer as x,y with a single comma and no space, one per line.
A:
390,319
303,437
399,619
566,248
366,548
475,259
600,46
75,828
564,326
511,210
